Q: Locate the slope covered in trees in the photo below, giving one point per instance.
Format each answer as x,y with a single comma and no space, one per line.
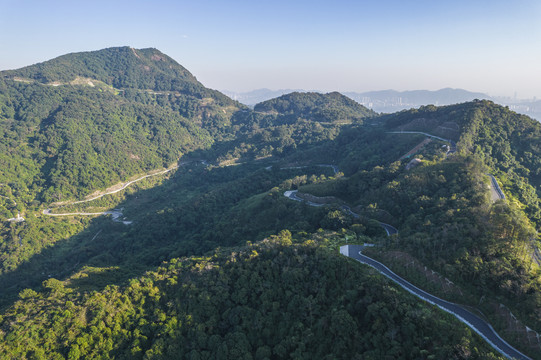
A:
119,112
120,68
507,142
271,300
67,140
331,107
447,221
84,121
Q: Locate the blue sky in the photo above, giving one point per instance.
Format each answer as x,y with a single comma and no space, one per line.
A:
488,46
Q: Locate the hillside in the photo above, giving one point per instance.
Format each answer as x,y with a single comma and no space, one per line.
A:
121,68
331,107
507,142
281,126
85,121
186,263
270,300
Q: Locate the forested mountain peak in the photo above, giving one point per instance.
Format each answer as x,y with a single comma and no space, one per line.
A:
328,107
454,121
507,142
131,110
119,67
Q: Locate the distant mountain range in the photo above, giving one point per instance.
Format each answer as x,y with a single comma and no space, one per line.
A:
389,101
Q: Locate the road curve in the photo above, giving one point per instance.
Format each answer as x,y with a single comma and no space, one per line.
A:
478,325
115,214
292,194
391,230
126,185
452,149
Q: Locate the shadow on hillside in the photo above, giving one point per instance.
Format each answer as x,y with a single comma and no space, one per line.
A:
189,213
185,215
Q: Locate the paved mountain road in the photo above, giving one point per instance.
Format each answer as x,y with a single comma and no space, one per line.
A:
116,215
292,194
478,325
452,148
124,186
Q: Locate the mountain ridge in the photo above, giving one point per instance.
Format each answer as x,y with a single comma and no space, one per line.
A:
389,101
66,67
66,140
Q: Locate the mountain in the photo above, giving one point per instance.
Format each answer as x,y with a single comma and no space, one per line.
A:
121,68
508,142
391,101
254,97
209,259
381,101
85,121
331,107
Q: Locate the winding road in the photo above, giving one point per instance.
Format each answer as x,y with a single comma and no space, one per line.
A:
477,324
452,148
292,194
116,214
125,185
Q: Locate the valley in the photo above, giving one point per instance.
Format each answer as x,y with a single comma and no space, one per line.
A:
198,254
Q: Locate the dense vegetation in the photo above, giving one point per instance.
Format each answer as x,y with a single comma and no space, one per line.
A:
331,107
65,141
271,300
121,112
507,142
446,220
121,68
85,121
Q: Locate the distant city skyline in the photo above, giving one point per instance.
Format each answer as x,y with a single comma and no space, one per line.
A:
484,46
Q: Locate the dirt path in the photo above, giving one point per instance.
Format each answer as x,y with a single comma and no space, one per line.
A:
122,186
116,214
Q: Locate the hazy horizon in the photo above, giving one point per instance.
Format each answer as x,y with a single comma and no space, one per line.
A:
371,91
482,46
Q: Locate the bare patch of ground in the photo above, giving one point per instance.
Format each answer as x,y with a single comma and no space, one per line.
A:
135,53
516,329
494,196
